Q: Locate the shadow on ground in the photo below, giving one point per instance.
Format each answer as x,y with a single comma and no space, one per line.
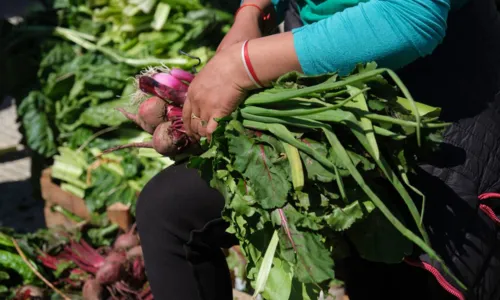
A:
18,208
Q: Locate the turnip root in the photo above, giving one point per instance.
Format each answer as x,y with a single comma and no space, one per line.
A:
151,113
92,290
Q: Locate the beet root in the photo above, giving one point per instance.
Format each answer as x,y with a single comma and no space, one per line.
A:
29,292
92,290
163,141
112,269
150,86
127,240
151,113
134,252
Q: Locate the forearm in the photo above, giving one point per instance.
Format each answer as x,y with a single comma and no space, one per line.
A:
270,56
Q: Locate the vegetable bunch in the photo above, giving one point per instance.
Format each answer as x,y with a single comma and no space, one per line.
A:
318,167
117,273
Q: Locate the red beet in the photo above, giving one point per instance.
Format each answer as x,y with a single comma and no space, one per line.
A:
29,292
169,139
126,241
152,112
150,86
163,141
134,252
92,290
110,272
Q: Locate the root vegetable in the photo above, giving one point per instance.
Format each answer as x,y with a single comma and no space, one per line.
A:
92,290
150,86
170,81
29,292
134,252
151,113
163,140
169,139
182,75
109,273
127,240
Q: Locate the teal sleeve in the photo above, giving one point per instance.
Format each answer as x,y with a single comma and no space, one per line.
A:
391,32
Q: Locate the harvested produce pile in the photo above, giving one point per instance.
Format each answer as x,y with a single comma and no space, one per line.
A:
310,168
60,264
69,63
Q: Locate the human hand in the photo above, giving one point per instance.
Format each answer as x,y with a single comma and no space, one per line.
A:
215,92
246,27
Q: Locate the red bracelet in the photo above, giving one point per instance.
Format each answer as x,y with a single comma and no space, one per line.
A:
248,65
264,16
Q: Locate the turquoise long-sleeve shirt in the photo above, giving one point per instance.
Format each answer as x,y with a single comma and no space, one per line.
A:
393,33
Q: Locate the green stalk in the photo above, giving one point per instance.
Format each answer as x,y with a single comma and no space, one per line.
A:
297,171
254,110
282,133
75,37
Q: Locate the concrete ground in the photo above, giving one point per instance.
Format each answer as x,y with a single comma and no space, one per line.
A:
18,207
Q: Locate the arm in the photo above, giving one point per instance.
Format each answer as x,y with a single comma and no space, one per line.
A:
248,23
391,32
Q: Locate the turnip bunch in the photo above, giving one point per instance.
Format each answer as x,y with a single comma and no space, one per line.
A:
161,113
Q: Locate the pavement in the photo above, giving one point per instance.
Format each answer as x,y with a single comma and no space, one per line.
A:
19,207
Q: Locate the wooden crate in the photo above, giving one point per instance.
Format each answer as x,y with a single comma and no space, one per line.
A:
54,195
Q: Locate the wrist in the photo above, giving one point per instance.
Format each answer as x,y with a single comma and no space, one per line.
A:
248,16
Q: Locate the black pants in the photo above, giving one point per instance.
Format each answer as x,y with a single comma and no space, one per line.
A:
178,217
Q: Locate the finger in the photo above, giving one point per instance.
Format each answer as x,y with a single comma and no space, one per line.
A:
186,116
195,121
204,120
211,126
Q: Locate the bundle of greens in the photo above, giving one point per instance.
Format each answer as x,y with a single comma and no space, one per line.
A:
316,165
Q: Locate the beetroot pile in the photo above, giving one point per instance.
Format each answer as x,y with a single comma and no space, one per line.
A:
109,273
161,113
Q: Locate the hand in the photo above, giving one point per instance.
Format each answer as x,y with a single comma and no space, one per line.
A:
215,92
246,27
220,86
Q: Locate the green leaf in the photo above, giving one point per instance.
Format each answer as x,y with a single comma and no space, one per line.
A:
312,261
315,170
265,267
360,102
15,262
6,240
104,114
279,283
372,237
36,123
4,275
343,218
161,16
265,168
3,289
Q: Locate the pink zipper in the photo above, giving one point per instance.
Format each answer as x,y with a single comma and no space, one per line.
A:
439,278
486,209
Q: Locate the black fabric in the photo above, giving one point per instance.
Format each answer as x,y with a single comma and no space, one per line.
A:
179,221
182,233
